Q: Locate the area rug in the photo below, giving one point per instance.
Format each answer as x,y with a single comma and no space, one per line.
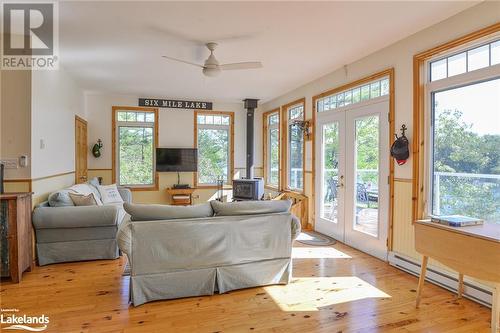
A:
315,239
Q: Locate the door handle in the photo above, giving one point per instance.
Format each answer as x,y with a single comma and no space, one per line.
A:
341,183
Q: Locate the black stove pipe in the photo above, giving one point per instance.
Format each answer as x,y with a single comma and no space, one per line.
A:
250,105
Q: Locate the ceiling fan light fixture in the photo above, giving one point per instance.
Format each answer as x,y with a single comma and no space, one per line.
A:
211,72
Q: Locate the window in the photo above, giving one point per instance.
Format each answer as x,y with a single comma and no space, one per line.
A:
354,95
295,146
465,61
135,132
462,124
465,167
271,132
454,91
214,138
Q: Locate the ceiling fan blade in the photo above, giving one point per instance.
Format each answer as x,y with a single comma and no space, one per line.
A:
184,61
242,65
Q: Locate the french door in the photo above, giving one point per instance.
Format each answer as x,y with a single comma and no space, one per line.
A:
352,190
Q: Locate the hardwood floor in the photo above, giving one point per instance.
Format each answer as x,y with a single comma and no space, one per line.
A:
335,289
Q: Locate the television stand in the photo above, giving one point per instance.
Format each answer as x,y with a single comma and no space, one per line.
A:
181,197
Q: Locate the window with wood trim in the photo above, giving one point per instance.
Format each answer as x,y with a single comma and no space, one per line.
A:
214,138
295,146
457,128
135,132
272,158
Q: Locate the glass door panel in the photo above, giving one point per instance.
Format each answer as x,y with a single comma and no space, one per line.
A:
330,174
366,175
330,166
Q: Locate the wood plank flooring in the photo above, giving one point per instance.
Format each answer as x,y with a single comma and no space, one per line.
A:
334,289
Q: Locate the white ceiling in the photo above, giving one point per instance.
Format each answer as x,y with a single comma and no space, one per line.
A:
116,47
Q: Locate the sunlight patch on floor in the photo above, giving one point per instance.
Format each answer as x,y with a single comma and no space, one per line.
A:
318,253
311,294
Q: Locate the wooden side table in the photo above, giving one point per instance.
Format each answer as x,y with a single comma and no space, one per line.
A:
181,196
473,251
16,233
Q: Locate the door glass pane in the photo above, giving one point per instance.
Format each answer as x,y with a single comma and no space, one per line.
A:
466,161
330,181
366,175
135,155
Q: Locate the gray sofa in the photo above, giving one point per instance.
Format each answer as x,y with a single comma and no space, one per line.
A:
70,233
178,252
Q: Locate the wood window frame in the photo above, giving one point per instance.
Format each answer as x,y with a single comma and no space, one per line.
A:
390,73
231,144
265,118
284,148
115,110
420,61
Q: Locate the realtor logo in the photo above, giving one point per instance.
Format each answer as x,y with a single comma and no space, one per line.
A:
30,36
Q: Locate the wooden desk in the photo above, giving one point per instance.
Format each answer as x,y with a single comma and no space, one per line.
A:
473,251
181,192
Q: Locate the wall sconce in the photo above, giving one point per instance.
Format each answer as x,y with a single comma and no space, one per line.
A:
304,126
96,150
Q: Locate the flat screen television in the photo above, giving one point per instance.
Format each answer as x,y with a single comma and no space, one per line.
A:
177,159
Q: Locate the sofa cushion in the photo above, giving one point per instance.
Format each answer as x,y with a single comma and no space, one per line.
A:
60,199
83,200
94,184
250,207
140,212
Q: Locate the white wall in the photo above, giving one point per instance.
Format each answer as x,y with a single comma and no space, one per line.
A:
176,126
399,56
56,99
15,115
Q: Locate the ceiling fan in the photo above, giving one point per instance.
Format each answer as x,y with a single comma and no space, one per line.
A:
212,68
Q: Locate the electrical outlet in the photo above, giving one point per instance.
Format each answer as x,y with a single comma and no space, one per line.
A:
9,163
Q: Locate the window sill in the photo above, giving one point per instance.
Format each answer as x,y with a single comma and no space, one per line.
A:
141,188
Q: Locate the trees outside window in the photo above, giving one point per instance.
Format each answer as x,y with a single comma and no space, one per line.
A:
135,132
214,140
272,148
295,161
466,151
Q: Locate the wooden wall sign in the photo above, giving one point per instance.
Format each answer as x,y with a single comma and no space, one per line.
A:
174,104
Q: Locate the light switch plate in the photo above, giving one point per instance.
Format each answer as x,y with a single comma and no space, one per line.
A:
9,163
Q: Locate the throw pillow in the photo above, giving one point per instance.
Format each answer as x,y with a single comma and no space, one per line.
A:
60,198
167,212
83,200
110,194
86,189
250,207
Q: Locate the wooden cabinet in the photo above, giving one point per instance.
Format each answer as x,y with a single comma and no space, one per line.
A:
16,235
181,196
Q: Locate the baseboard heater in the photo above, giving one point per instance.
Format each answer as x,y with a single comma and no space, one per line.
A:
473,290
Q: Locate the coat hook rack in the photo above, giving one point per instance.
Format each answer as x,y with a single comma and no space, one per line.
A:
403,131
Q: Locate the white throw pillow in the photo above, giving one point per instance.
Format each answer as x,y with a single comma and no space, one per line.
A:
110,194
85,189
